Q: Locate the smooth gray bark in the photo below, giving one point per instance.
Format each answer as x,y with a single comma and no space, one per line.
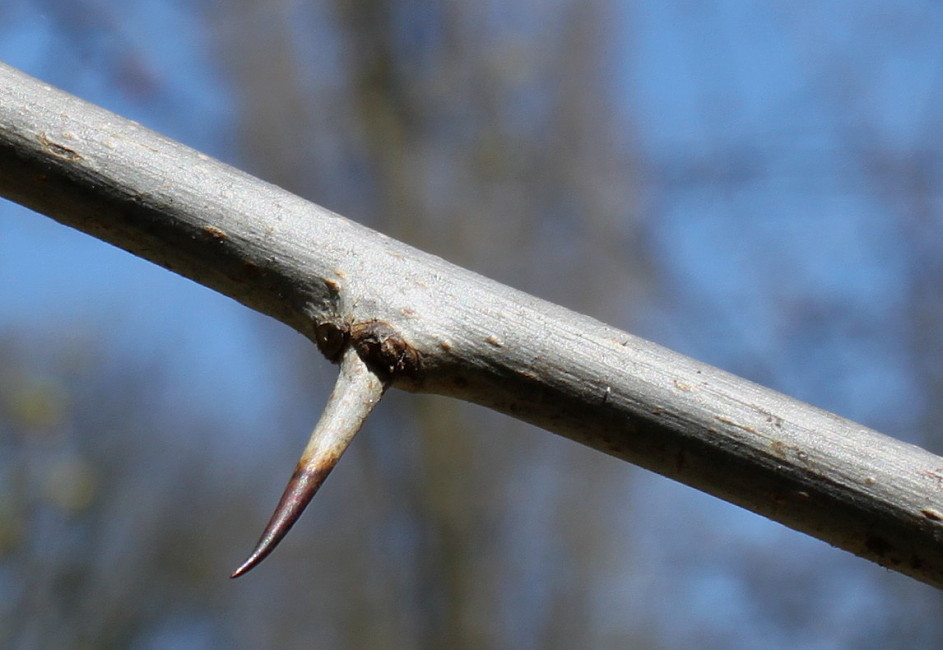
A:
434,327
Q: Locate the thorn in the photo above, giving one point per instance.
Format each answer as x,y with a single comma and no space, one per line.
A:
357,391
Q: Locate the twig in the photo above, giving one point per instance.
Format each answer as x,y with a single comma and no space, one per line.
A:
426,325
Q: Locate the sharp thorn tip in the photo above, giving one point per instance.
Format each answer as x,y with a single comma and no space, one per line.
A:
356,393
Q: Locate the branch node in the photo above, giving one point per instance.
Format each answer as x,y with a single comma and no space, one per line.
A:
331,339
384,350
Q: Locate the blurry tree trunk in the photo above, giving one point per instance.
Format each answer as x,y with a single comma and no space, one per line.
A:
455,333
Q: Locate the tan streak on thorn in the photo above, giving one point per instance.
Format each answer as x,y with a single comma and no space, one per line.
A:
357,391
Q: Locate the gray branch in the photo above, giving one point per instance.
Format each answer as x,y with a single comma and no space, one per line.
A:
425,325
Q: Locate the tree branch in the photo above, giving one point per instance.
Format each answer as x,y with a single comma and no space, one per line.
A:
423,324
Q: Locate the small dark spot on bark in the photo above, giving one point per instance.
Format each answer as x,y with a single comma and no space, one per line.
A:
877,545
529,375
333,287
779,448
384,350
331,340
933,515
250,270
58,150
